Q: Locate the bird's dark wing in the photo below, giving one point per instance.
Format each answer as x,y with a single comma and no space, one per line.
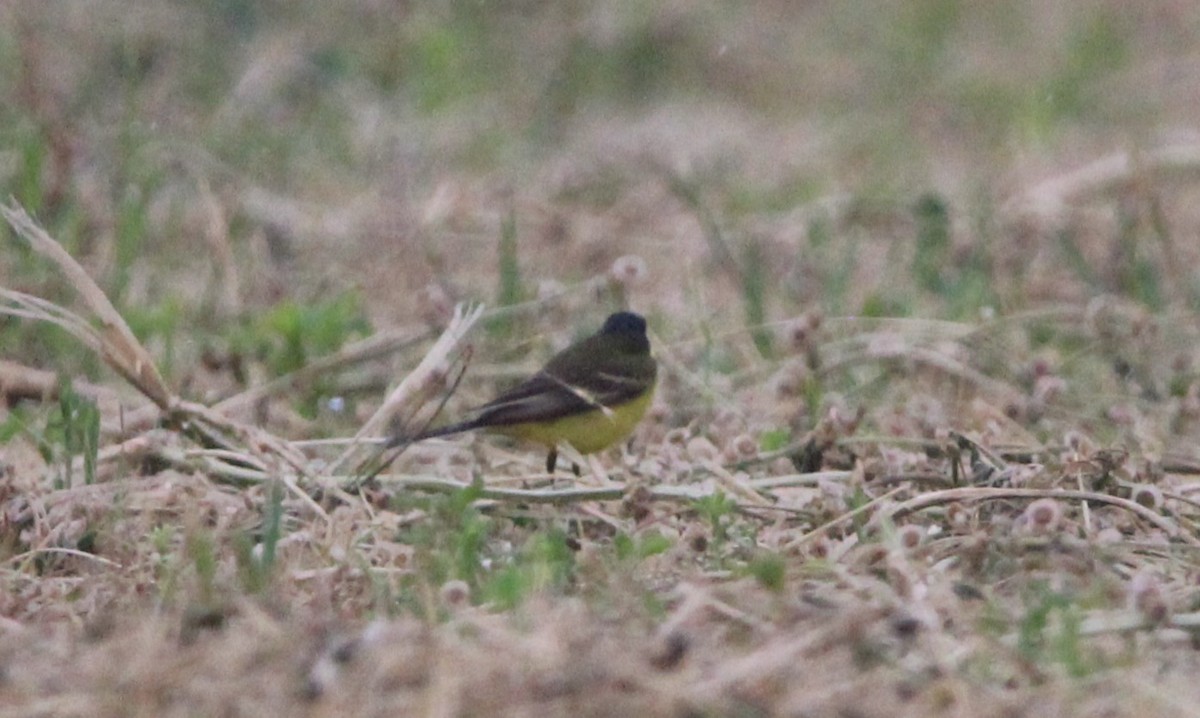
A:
545,397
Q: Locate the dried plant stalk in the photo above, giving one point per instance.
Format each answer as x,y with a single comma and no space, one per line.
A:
418,381
117,345
121,350
1106,176
934,498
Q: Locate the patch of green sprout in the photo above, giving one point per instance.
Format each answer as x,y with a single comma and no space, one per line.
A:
755,281
770,570
510,289
202,556
291,334
256,560
1049,632
717,510
72,430
544,563
450,544
774,439
650,543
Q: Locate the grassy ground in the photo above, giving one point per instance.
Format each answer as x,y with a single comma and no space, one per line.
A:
920,278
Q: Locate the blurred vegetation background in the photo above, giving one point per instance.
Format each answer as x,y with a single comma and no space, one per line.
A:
270,179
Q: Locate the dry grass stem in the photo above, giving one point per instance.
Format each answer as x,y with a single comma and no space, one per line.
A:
23,382
937,498
217,236
803,539
26,306
33,553
738,486
416,386
376,346
119,348
1106,176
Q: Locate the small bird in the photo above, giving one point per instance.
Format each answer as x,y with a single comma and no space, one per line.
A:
590,395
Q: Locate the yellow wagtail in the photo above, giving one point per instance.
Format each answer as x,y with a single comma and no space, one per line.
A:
590,395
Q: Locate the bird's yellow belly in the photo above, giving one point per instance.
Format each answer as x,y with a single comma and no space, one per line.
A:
588,432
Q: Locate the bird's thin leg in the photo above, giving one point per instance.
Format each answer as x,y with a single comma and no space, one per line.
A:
551,460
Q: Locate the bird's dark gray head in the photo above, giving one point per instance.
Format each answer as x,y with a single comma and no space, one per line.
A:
630,328
624,323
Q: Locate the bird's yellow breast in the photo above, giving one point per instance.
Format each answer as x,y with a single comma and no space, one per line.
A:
588,432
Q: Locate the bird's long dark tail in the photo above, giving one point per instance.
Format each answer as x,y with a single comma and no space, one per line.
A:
395,445
387,453
447,430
